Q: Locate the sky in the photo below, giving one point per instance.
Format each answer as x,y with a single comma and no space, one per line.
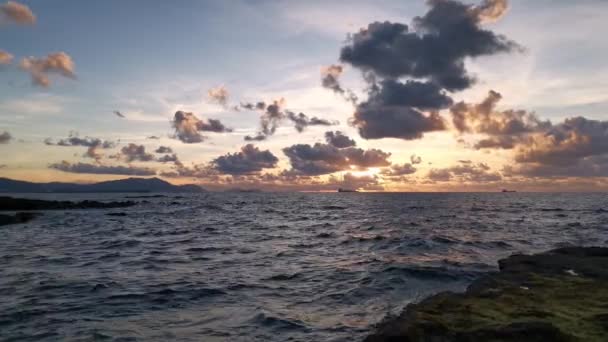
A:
389,95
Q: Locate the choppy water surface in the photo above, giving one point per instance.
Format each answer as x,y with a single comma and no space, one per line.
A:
265,267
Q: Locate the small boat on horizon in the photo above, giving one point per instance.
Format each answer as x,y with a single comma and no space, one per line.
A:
346,190
505,190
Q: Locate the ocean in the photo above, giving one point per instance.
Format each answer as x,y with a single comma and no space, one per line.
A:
265,266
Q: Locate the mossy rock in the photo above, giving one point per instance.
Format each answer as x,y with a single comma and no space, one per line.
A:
561,295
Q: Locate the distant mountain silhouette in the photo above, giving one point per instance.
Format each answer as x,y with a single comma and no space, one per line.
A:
121,185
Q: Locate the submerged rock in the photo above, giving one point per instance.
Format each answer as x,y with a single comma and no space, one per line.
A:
561,295
17,218
12,204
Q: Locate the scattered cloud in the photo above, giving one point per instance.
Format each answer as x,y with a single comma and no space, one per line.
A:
575,147
93,144
66,166
218,95
5,58
275,113
75,140
415,159
301,121
470,173
134,152
5,137
188,127
504,129
249,160
55,63
330,79
17,13
352,182
399,170
269,120
339,140
319,159
163,149
169,158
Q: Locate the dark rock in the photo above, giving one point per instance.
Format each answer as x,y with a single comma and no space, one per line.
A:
560,295
116,214
13,204
146,196
17,218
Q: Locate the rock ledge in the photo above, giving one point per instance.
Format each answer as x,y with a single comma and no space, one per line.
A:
560,295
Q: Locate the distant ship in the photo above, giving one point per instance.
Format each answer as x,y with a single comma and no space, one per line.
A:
346,190
505,190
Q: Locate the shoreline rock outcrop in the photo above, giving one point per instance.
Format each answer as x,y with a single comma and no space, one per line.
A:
560,295
21,217
15,204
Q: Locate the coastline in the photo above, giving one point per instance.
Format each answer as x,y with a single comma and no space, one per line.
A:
559,295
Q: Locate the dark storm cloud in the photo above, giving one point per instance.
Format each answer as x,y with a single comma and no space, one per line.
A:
102,169
377,122
420,95
339,140
249,160
163,149
5,137
320,159
188,127
395,110
435,47
133,152
504,129
433,52
473,173
301,121
17,13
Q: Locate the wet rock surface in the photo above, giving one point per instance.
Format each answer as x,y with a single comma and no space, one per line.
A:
560,295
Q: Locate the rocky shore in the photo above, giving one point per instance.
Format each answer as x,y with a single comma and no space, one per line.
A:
19,204
14,204
560,295
17,218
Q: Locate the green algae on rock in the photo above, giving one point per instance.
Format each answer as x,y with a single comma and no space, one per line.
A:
561,295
